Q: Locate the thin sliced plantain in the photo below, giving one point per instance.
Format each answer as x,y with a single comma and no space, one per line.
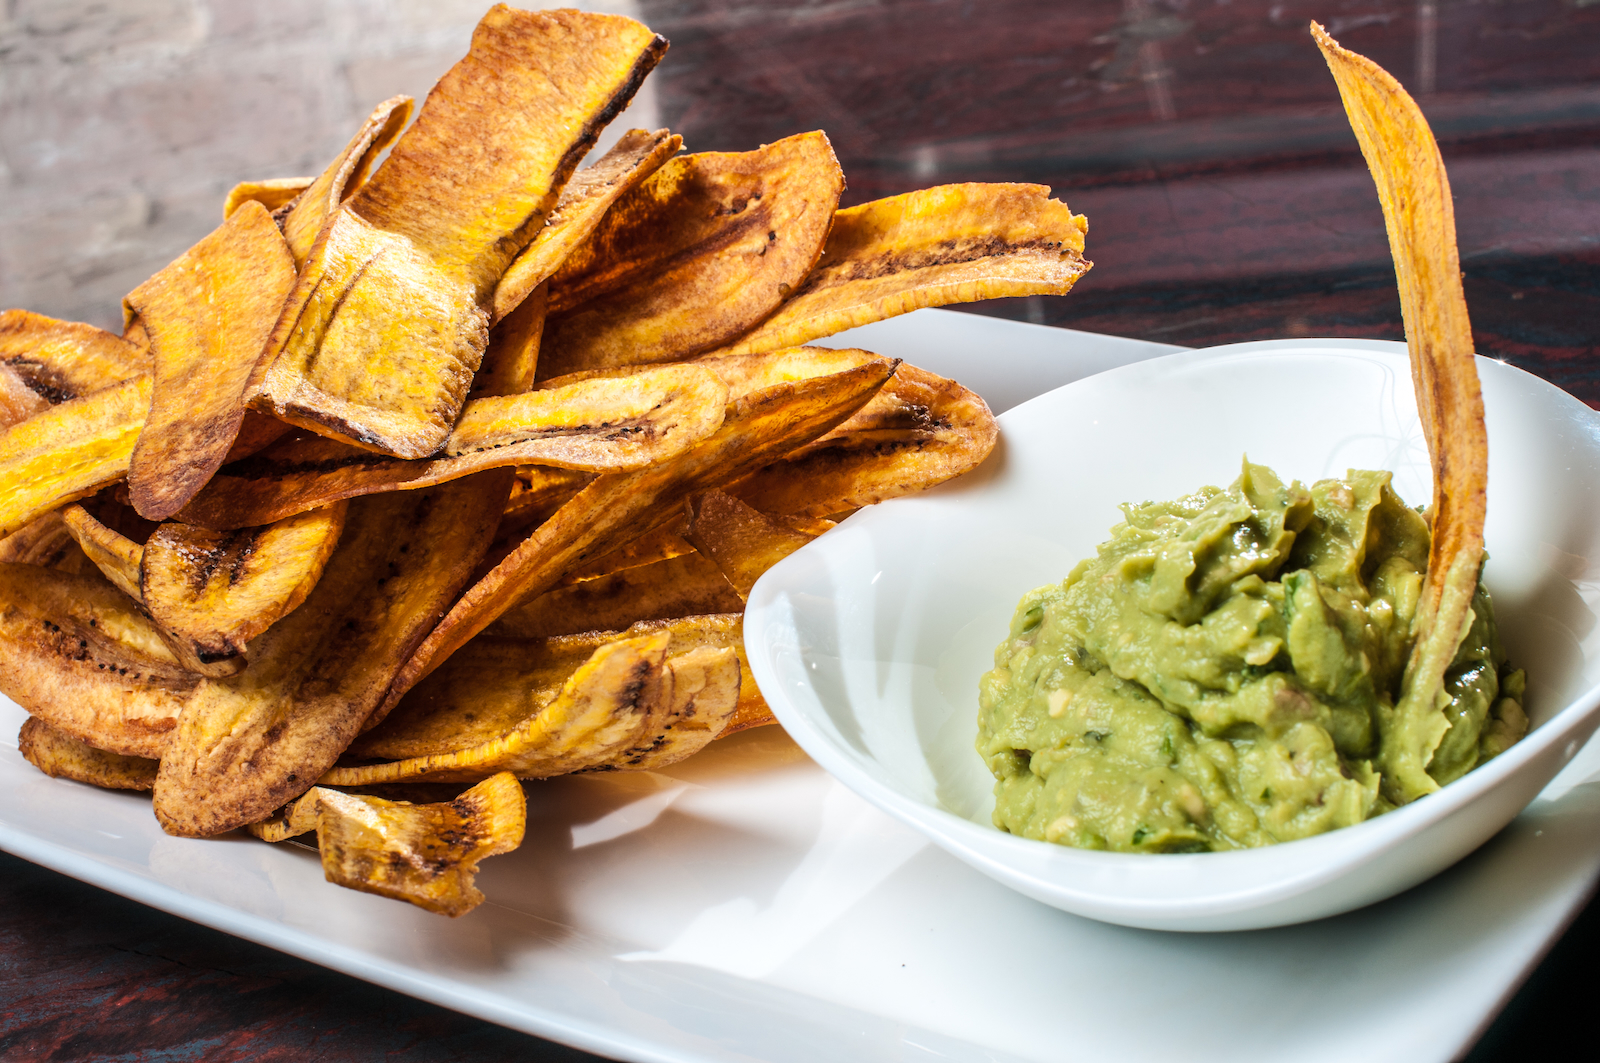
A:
426,854
207,315
694,257
584,201
272,193
687,585
18,401
69,451
699,700
43,541
211,593
114,554
741,541
62,360
512,358
303,217
61,756
950,244
248,744
78,653
378,344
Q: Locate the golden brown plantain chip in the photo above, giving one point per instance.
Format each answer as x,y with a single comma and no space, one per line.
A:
427,854
61,756
18,401
920,430
698,702
742,541
584,201
44,541
77,653
248,744
619,507
687,585
659,544
212,592
950,244
512,358
616,423
272,193
1417,211
114,554
207,315
694,257
69,451
61,360
379,341
303,218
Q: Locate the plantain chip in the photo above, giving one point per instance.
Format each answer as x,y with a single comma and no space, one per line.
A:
698,704
43,541
920,430
114,554
584,201
659,544
272,193
207,315
78,654
694,257
18,401
61,756
379,341
62,360
248,744
512,357
427,854
304,215
619,507
687,585
212,592
1417,211
616,423
742,541
69,451
950,244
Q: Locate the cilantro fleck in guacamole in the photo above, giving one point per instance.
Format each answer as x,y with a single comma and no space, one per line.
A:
1221,674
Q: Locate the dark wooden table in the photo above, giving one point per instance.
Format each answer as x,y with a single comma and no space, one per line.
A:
1227,201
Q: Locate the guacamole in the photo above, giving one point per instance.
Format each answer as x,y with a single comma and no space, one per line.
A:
1219,675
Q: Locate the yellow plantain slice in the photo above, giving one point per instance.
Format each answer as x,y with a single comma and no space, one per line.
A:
44,541
114,554
344,176
77,653
920,430
61,756
512,358
616,423
699,700
584,201
694,257
1417,211
212,592
69,451
427,854
742,541
248,744
207,315
18,401
950,244
386,327
272,193
61,360
619,507
687,585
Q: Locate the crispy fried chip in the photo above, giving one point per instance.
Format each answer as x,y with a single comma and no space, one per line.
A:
659,544
114,554
1417,211
427,854
69,451
742,541
584,201
698,704
77,653
512,358
950,244
212,592
44,541
693,257
248,744
61,360
272,193
18,401
687,585
61,756
344,176
386,327
207,315
619,507
607,424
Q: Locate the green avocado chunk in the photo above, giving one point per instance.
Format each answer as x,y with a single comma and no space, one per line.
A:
1215,677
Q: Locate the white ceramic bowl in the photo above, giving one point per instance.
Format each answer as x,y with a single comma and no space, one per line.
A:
869,642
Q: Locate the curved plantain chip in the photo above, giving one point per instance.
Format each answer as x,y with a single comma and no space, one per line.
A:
584,201
303,218
207,315
43,541
114,554
18,401
427,854
272,193
212,592
1417,211
77,653
61,756
62,360
69,451
698,702
920,430
248,744
694,257
686,585
512,357
378,343
742,541
949,244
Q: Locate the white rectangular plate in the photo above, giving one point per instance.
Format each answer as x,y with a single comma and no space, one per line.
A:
743,906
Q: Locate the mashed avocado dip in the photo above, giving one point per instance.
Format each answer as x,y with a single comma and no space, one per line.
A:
1220,674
